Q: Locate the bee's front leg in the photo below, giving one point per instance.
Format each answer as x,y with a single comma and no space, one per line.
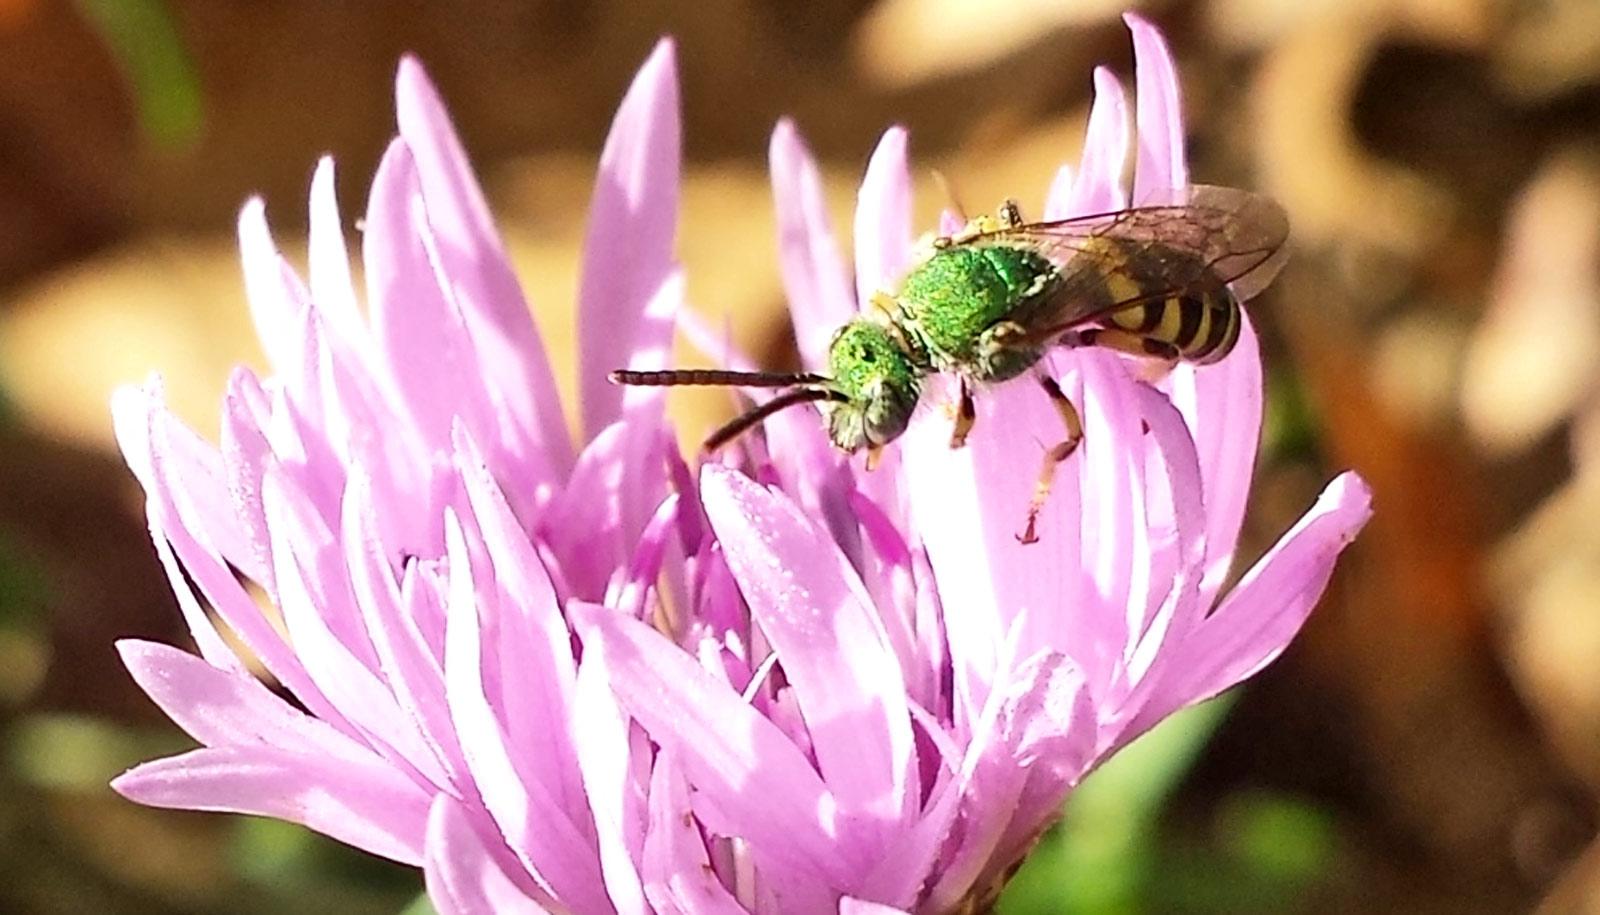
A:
966,415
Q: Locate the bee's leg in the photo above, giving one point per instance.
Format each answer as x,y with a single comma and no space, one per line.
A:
1128,342
874,456
1009,215
885,303
966,415
1057,453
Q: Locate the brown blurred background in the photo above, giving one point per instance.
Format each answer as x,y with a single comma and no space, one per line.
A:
1432,742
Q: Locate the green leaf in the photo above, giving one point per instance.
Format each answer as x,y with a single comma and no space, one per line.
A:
1098,860
143,38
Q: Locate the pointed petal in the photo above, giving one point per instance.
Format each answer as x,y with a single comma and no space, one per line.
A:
1038,729
216,581
230,708
245,456
614,779
678,873
1051,729
1058,200
473,256
1098,188
1161,164
820,297
532,660
760,786
556,851
405,661
321,620
833,648
277,299
207,639
628,248
594,523
425,348
174,451
1170,607
1221,405
969,505
369,806
1264,611
465,874
332,290
883,217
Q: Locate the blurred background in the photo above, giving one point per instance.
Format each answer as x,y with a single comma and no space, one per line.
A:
1430,744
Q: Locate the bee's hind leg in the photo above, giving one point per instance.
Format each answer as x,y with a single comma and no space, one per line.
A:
1057,453
966,415
1124,341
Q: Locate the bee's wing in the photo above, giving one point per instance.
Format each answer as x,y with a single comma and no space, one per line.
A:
1185,238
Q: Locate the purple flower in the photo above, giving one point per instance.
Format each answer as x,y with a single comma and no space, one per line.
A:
404,492
592,683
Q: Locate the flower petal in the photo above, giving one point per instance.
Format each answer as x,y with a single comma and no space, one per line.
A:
591,525
883,217
533,428
332,290
1264,611
1098,187
169,513
819,291
277,299
555,850
678,873
158,445
970,504
850,905
833,648
1161,163
369,806
405,660
615,771
757,784
532,660
1037,726
1221,405
426,349
628,248
229,708
329,636
467,874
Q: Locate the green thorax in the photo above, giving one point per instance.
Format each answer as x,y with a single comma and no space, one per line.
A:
951,298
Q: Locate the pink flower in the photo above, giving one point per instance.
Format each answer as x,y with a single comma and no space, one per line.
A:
404,491
585,683
942,686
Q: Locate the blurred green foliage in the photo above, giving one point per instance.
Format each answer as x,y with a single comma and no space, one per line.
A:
1111,856
1289,423
161,74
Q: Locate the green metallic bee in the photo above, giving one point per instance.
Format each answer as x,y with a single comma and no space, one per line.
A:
1162,280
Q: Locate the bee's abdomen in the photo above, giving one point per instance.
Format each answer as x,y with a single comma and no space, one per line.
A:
1202,327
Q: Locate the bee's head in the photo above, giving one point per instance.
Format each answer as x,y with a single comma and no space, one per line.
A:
879,380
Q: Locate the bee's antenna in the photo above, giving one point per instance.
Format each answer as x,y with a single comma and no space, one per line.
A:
742,423
715,377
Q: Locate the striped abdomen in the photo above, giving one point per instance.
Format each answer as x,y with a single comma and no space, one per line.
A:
1201,326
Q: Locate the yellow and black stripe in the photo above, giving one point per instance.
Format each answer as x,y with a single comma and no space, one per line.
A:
1201,327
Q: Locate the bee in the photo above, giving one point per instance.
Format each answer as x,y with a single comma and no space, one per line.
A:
1163,281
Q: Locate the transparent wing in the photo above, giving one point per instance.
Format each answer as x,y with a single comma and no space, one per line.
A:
1174,243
